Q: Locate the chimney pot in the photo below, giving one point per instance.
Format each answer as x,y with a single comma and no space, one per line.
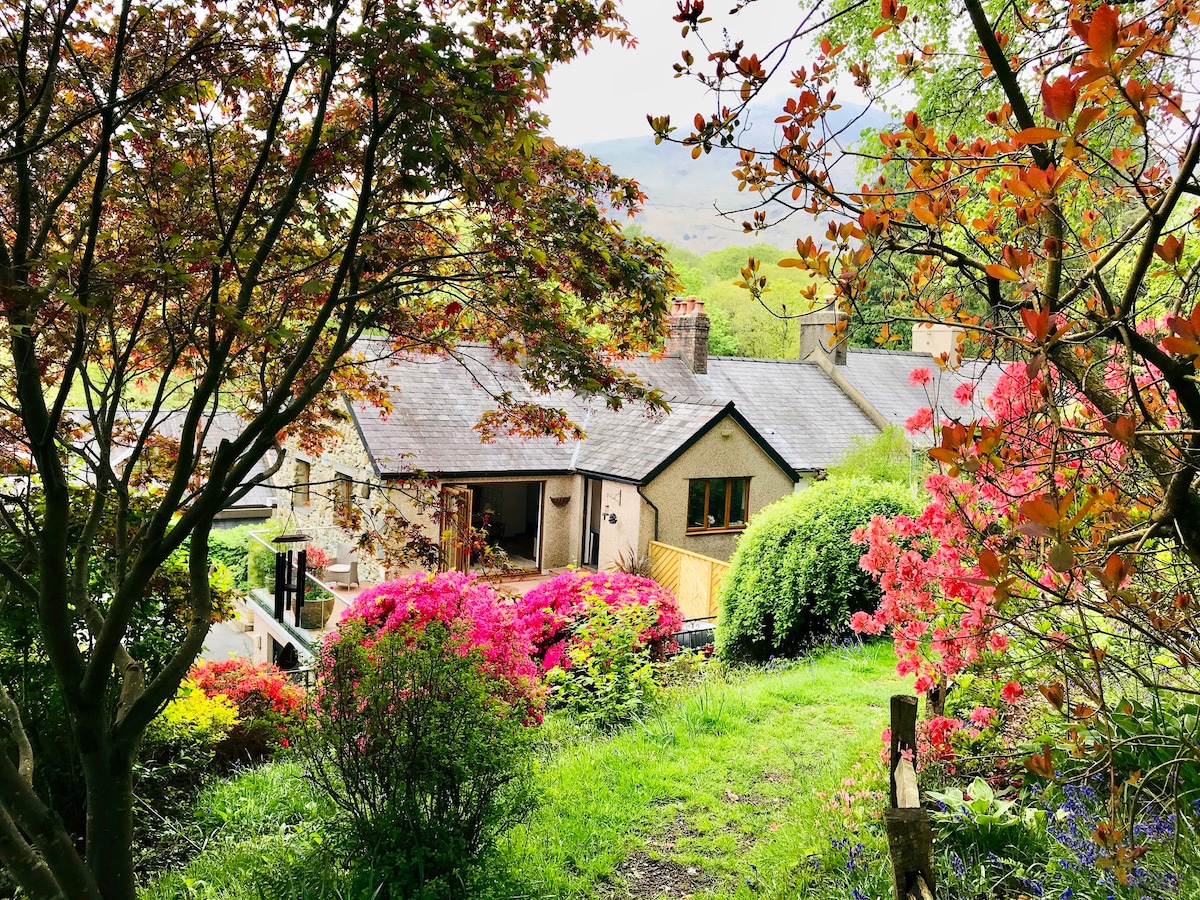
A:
688,335
940,341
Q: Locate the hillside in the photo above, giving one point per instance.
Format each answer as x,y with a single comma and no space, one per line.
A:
685,195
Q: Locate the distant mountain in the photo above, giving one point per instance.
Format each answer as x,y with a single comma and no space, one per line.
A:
686,194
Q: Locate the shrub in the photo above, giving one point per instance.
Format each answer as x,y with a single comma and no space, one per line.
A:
607,677
421,728
174,761
795,575
231,548
267,704
551,612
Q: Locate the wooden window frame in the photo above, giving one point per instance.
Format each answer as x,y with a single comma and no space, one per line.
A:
724,525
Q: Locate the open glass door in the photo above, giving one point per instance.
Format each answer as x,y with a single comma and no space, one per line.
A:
456,529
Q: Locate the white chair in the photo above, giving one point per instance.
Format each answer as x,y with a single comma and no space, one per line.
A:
345,568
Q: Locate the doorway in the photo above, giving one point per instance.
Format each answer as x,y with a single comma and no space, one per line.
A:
504,516
592,506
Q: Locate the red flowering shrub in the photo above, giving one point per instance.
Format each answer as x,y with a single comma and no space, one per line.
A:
420,728
268,705
477,620
552,610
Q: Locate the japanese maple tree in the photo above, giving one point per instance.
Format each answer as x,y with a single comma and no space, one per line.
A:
205,206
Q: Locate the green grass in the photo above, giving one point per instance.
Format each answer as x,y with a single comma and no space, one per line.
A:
728,791
727,781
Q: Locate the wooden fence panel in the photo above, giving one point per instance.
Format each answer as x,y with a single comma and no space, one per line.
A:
694,579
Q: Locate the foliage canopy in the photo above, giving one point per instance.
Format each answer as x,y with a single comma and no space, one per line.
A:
1039,192
214,203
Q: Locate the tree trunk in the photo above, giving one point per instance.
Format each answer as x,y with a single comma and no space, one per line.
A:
109,779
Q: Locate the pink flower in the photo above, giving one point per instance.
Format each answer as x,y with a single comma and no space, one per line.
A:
1012,692
997,642
964,393
920,377
921,420
983,716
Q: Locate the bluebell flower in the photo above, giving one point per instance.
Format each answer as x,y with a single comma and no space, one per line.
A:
957,865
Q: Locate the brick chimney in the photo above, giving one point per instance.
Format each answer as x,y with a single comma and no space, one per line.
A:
688,335
816,338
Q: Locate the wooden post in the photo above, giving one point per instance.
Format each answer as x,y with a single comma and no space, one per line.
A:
904,736
909,833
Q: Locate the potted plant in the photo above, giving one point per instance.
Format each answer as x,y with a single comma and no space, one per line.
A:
317,560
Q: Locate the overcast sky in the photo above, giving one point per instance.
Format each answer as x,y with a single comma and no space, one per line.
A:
609,92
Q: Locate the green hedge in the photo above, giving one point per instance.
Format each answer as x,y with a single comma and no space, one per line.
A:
795,576
251,563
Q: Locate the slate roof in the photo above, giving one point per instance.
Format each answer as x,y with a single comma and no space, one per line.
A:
793,409
793,405
882,376
436,403
225,424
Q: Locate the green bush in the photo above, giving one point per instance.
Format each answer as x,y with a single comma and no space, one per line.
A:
795,576
607,676
418,746
252,564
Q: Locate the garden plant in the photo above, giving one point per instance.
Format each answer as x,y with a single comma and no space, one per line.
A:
206,206
421,731
1036,190
794,578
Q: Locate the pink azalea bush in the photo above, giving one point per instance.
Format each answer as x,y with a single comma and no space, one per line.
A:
550,612
421,725
477,618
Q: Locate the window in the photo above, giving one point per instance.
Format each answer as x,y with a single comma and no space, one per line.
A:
301,492
343,488
717,504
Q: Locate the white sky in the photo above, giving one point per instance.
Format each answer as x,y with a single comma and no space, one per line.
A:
609,92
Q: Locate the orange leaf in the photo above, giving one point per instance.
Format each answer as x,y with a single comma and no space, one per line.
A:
1053,693
1086,117
1037,322
1102,32
923,214
1121,429
1036,135
1041,512
1059,98
1170,250
1182,346
1003,273
989,564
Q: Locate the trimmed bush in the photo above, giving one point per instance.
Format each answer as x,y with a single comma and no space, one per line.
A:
421,730
552,612
795,576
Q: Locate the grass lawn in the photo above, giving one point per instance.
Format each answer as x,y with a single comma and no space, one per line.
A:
728,793
732,790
